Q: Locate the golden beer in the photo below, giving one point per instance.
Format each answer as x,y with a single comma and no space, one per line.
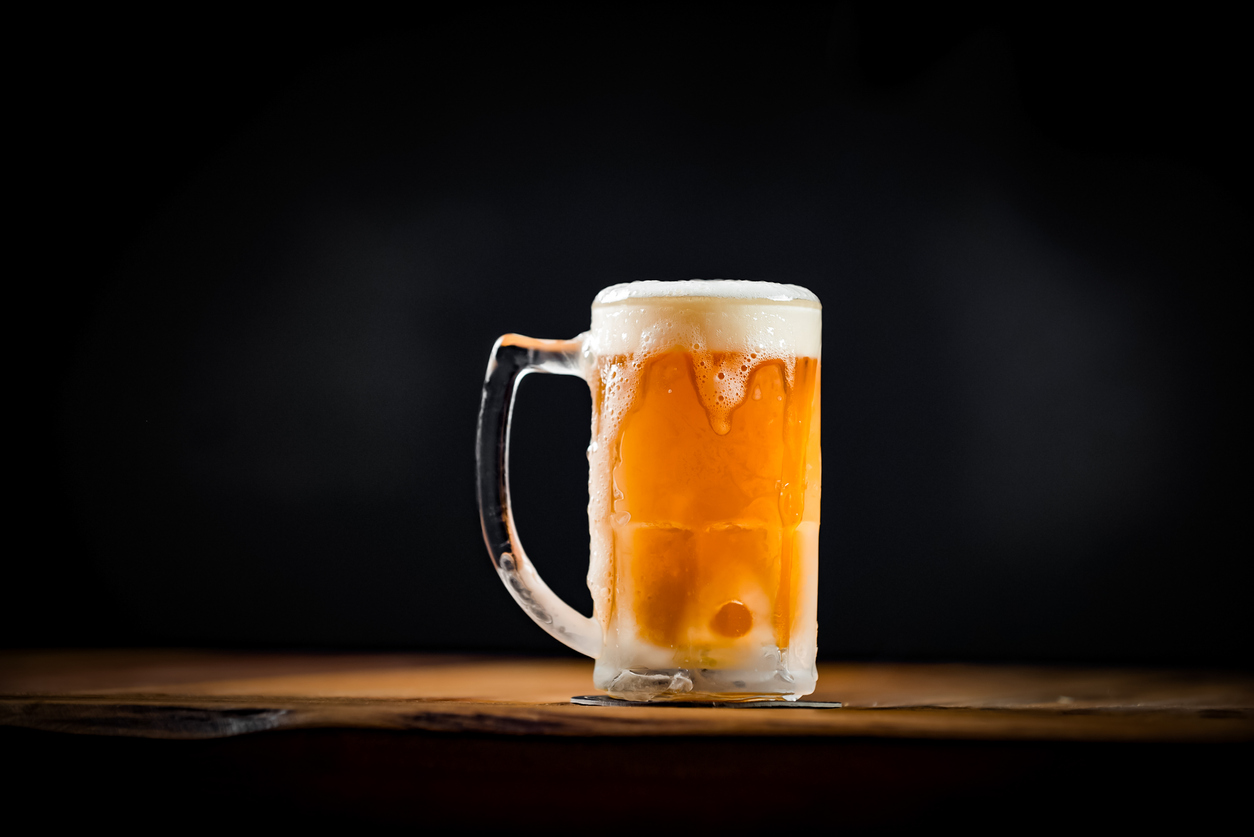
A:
704,485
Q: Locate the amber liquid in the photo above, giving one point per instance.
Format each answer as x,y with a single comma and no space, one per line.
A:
707,504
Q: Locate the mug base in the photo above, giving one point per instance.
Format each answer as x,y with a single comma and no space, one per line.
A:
607,700
704,685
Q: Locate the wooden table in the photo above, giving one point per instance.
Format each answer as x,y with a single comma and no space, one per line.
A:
432,738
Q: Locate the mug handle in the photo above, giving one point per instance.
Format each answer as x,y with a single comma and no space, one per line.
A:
513,357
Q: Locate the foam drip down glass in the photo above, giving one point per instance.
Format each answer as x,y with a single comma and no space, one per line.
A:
704,481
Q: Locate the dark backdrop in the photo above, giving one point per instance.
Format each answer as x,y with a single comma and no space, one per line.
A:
267,270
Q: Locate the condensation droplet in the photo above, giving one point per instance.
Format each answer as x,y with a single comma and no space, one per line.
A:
757,393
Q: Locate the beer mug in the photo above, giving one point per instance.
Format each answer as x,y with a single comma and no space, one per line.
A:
703,481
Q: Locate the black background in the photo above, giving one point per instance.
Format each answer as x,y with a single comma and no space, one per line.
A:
264,270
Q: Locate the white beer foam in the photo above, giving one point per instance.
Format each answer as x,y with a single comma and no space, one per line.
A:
764,319
716,288
729,327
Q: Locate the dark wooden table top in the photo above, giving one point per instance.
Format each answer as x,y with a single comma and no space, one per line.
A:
213,741
203,694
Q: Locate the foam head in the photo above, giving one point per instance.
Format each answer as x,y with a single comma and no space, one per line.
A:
712,288
761,318
729,328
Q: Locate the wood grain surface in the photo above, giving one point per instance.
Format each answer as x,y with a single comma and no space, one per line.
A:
201,694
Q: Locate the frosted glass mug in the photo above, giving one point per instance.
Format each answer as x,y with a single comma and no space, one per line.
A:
704,481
